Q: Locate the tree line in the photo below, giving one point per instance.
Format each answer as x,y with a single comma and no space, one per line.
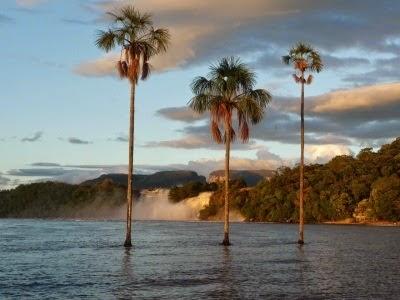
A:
364,188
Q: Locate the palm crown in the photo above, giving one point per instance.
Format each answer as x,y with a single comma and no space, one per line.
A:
138,39
228,88
304,58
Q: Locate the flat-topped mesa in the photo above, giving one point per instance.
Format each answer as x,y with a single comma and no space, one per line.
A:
163,179
251,177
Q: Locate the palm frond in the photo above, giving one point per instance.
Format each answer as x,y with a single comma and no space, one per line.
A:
134,32
244,132
232,135
305,58
229,87
106,40
146,70
216,132
122,69
160,38
201,85
296,78
200,103
309,79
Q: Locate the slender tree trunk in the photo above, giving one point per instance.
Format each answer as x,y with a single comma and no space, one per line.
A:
226,242
301,215
129,194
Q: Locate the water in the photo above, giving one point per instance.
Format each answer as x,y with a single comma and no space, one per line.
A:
183,260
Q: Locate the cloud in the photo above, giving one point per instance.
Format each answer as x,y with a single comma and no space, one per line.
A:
37,136
37,172
203,140
358,100
74,140
104,66
77,21
4,180
45,164
123,138
324,153
263,30
206,166
182,113
29,3
73,174
354,116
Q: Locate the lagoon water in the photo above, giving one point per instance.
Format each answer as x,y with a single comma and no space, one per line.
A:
42,259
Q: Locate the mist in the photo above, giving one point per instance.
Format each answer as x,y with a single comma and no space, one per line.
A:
154,205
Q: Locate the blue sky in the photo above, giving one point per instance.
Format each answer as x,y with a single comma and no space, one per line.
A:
61,102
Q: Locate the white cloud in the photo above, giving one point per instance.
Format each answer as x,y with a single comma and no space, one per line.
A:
103,66
362,98
324,153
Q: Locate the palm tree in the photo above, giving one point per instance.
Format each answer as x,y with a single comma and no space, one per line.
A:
305,59
229,88
134,34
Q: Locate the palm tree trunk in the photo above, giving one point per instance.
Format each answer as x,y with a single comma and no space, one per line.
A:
301,215
226,242
129,194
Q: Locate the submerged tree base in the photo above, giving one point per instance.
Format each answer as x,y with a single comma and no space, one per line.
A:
226,242
300,242
128,244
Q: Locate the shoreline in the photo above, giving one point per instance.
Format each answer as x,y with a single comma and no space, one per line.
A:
376,223
339,222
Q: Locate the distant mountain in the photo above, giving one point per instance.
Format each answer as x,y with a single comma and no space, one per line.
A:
251,177
164,179
102,197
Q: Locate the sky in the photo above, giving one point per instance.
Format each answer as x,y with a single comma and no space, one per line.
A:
64,113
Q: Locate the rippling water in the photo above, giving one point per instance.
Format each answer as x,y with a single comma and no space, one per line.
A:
183,260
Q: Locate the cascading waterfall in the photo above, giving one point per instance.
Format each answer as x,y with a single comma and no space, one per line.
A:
154,205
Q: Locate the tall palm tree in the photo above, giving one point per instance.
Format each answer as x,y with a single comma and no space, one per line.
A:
229,88
138,40
305,59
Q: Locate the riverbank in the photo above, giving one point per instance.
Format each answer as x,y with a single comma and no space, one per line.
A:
367,223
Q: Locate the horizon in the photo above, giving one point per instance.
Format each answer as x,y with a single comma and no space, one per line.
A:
66,111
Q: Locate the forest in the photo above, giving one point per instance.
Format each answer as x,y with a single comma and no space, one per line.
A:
364,188
361,188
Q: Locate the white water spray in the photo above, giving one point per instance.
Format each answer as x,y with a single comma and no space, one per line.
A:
154,205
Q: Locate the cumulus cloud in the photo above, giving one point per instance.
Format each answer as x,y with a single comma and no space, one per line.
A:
324,153
264,29
346,117
36,136
76,141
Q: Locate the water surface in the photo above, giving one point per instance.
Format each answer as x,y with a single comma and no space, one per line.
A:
183,260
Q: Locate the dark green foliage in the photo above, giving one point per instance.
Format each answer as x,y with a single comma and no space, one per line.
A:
237,195
385,198
191,189
60,200
333,191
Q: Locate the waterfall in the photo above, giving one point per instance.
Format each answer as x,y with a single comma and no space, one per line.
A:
154,205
